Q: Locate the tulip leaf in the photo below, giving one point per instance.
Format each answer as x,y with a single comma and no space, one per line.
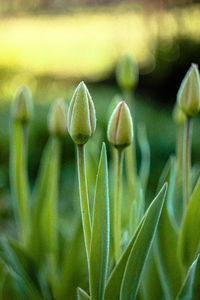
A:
165,249
44,216
190,289
144,234
82,295
141,247
27,280
99,250
189,240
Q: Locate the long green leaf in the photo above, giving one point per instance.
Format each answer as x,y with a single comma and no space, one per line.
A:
44,216
189,240
140,250
165,249
82,295
115,280
99,250
190,289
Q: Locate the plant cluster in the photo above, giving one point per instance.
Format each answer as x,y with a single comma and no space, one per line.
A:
132,251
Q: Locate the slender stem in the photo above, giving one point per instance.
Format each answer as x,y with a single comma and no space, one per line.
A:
179,148
117,206
187,160
130,159
19,179
84,201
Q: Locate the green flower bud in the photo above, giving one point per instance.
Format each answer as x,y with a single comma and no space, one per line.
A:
120,126
127,73
81,121
189,92
57,119
178,115
22,108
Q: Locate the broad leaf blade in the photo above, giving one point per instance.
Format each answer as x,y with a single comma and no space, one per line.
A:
190,234
141,248
44,216
190,289
82,295
99,250
165,249
115,279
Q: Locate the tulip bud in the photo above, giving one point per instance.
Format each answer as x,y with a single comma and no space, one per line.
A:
127,73
22,108
120,126
57,120
189,92
178,115
81,121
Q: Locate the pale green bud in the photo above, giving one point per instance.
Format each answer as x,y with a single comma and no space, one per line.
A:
179,116
189,92
120,126
22,108
57,119
127,73
81,121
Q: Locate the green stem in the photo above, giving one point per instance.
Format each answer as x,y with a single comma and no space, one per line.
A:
84,201
187,160
19,179
179,148
130,159
117,206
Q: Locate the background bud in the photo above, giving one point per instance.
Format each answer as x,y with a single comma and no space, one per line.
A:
81,121
127,73
178,115
22,108
57,119
189,92
120,126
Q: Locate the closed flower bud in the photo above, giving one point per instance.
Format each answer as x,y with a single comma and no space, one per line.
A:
57,120
81,121
189,92
127,73
22,108
120,126
179,116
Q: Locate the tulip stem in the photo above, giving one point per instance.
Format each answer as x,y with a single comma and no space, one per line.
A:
187,160
84,201
117,206
130,159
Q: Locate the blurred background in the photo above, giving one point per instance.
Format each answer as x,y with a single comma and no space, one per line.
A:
51,45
